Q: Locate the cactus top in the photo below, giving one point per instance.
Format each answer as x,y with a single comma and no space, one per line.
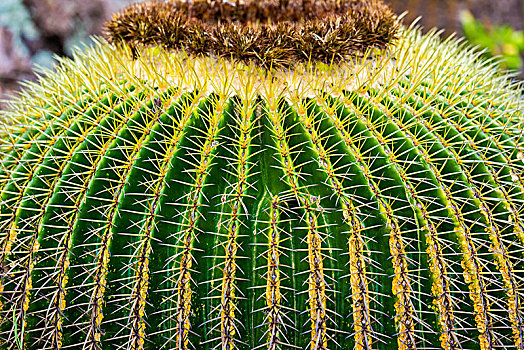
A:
268,33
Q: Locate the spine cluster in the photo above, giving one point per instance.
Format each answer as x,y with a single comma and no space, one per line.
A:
269,34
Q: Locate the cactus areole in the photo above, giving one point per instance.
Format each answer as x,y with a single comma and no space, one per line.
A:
215,176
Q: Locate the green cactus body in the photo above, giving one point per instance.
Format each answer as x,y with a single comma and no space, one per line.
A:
174,202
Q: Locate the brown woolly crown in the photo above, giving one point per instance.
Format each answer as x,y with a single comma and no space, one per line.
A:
275,33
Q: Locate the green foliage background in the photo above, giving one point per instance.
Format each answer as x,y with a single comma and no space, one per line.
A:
497,40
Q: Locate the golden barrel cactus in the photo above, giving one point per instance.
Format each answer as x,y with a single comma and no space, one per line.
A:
224,176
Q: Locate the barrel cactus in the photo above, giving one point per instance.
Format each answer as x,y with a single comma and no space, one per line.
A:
343,182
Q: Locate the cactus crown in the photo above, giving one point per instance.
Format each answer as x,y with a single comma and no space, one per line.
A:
270,34
175,201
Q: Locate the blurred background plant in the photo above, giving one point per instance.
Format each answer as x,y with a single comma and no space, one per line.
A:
493,25
32,31
497,40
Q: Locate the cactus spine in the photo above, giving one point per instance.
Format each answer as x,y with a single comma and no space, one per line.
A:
173,201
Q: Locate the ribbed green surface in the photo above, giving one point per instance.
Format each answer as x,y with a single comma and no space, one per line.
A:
387,217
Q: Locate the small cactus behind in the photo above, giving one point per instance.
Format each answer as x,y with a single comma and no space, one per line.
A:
153,198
